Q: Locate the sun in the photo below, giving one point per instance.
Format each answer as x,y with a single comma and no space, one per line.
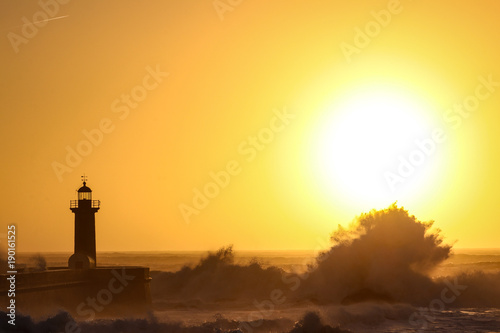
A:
364,136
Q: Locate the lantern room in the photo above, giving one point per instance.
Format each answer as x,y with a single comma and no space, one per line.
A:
84,192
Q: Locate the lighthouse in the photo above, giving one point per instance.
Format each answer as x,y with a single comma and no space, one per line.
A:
84,209
111,291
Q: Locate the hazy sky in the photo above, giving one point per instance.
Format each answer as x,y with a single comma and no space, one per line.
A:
311,107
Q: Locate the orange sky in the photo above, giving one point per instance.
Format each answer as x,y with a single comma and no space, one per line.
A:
231,70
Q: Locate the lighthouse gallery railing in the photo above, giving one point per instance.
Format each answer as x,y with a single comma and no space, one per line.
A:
93,204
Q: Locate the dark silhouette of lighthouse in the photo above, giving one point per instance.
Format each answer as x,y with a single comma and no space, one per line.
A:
84,209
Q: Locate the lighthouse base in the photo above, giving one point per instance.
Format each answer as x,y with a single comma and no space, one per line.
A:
81,261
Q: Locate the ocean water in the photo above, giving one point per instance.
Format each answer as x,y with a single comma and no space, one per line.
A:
387,272
193,308
460,260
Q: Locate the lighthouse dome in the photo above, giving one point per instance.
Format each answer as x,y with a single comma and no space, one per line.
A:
84,188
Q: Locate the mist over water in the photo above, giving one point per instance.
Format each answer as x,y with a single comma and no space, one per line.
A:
379,275
384,255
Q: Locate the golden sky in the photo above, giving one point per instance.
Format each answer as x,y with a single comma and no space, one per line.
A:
311,110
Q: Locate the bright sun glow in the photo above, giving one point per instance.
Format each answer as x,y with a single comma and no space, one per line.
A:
361,138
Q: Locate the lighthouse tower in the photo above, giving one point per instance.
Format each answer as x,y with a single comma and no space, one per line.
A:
84,209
